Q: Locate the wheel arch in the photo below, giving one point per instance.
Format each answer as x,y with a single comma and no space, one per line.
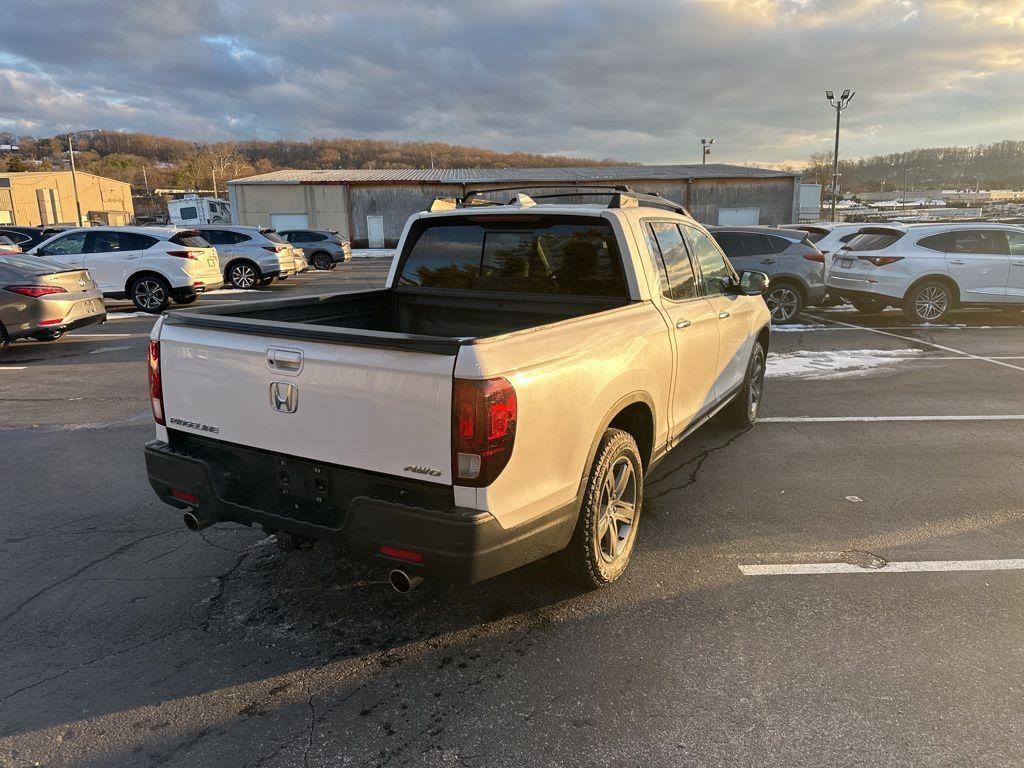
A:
633,413
946,280
763,337
144,273
245,259
790,279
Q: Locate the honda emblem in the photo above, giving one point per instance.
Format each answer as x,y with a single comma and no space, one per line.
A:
284,397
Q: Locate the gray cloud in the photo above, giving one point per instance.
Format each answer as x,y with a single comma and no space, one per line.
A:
637,81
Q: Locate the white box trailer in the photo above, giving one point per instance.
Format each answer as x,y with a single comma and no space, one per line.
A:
193,210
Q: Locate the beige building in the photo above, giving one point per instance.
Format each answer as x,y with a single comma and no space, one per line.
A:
48,197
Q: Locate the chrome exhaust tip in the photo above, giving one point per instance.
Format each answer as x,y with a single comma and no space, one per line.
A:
402,582
194,522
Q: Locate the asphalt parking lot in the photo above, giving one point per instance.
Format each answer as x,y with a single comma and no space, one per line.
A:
839,585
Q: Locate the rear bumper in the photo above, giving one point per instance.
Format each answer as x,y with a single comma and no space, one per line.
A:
861,287
80,322
360,511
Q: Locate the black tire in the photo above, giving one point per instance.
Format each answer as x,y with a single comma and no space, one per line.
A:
595,561
322,261
48,335
243,275
743,411
264,282
188,300
868,306
928,302
150,293
785,301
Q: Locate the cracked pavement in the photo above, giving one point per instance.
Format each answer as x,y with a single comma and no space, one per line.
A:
129,641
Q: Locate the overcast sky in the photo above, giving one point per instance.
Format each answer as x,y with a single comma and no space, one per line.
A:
631,79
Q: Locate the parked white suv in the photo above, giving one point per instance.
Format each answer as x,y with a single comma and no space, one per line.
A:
149,265
252,257
500,400
931,269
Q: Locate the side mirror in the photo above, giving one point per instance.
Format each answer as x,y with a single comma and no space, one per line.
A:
753,283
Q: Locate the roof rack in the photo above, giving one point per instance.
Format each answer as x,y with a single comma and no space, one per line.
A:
621,197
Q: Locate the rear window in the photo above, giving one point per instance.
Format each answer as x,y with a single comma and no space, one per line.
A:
873,241
272,236
739,244
814,235
190,240
529,254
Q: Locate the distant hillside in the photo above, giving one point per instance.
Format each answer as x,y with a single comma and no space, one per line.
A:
991,166
191,165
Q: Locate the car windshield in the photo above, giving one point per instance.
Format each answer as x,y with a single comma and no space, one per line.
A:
272,236
37,264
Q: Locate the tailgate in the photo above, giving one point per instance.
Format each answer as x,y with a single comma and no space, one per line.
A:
72,281
377,409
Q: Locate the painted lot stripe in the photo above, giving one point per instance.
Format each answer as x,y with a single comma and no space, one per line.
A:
74,335
12,367
932,344
831,419
922,566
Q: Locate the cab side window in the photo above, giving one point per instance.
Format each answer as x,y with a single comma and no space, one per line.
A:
678,281
718,276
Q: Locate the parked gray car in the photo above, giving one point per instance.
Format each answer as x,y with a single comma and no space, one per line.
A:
42,299
251,257
324,248
792,262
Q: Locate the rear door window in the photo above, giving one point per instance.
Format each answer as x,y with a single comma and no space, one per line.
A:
532,254
778,244
978,241
715,271
939,242
678,280
738,245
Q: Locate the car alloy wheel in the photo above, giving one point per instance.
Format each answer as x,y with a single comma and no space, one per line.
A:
617,510
756,386
243,276
323,262
149,294
931,302
784,303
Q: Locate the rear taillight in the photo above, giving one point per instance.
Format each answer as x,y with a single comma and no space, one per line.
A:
274,248
156,390
184,255
35,291
817,257
881,261
185,496
484,416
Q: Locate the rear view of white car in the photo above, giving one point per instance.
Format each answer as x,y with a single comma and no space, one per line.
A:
931,269
151,266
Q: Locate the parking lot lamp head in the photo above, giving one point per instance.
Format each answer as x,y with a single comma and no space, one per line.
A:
839,105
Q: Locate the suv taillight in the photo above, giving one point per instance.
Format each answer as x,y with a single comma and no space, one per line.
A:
156,390
184,255
275,248
815,256
483,430
881,261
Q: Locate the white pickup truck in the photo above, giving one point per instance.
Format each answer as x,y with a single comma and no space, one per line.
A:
500,400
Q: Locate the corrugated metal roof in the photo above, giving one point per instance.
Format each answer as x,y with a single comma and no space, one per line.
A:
513,175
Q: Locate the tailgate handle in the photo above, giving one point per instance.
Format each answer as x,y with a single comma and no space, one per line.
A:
285,360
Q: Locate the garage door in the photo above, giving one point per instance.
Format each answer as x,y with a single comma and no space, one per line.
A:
289,221
739,216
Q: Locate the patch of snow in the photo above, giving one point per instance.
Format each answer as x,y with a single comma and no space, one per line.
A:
373,253
798,328
835,364
126,315
222,291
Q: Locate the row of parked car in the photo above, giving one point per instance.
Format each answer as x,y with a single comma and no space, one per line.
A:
927,270
56,280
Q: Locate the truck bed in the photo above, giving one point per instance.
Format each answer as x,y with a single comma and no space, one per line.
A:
406,318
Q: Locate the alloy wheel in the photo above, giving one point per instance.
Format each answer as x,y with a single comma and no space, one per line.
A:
322,262
149,294
756,385
617,509
783,304
931,302
243,276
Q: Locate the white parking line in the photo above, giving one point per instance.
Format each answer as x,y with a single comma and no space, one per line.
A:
73,335
915,340
827,419
922,566
12,367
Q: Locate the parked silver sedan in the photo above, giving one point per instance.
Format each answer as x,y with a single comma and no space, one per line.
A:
42,299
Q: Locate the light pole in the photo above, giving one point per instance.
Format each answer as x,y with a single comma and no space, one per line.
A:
74,177
840,104
705,150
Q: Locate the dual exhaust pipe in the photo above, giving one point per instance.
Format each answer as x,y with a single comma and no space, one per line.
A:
399,580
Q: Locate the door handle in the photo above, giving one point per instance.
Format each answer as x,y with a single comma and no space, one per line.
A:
723,315
958,262
767,261
682,324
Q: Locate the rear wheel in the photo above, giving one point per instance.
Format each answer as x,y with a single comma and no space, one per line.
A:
322,261
928,302
606,530
868,306
743,410
784,301
243,274
150,293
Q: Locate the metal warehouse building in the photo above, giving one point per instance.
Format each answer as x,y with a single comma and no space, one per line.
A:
370,207
48,197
